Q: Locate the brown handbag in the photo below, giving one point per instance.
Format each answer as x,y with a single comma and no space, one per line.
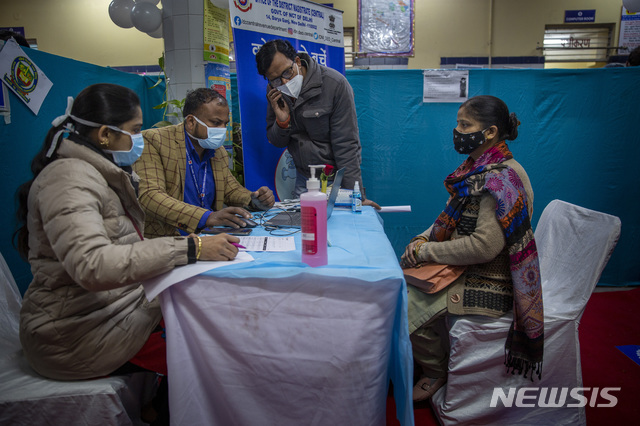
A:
432,277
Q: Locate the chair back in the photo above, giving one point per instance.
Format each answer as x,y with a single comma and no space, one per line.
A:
574,245
10,302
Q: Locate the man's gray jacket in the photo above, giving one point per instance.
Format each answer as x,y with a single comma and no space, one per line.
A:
323,127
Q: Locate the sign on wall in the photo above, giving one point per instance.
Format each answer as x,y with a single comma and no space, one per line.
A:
445,86
19,30
386,27
216,55
629,31
22,76
4,100
575,16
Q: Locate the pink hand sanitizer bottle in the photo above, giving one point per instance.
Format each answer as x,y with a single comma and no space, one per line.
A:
313,207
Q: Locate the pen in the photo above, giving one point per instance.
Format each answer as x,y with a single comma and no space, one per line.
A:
239,245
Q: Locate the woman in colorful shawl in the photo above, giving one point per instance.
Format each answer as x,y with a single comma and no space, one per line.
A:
486,227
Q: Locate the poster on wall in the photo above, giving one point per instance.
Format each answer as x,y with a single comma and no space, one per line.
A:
216,55
629,31
445,86
311,28
386,27
22,76
4,99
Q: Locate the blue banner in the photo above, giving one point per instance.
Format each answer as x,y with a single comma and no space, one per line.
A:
310,28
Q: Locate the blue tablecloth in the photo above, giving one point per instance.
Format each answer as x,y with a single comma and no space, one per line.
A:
362,276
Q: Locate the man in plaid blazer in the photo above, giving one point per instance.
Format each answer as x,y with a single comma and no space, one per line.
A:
174,161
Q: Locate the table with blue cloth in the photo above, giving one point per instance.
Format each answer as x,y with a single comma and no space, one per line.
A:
276,342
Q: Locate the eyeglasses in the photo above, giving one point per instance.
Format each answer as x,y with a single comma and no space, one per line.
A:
287,75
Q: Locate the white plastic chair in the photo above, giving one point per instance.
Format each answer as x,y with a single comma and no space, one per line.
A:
27,398
574,245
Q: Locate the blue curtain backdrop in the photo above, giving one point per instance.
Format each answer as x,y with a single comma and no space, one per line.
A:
22,138
578,142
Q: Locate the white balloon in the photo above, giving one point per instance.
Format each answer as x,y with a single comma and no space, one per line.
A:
223,4
157,33
146,17
154,2
632,6
120,13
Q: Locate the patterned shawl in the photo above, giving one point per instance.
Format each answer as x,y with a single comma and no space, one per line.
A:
524,345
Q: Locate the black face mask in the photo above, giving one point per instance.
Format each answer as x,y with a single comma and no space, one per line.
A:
466,143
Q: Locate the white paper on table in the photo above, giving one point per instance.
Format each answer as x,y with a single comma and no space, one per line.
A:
254,243
387,209
156,285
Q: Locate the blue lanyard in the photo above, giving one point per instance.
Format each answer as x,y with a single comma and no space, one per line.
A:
201,192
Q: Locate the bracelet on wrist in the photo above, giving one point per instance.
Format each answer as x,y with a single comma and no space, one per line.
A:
199,247
283,124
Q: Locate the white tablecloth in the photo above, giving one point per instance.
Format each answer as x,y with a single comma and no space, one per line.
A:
275,342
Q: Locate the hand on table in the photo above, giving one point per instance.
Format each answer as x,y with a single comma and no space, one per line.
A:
229,217
263,198
371,203
217,247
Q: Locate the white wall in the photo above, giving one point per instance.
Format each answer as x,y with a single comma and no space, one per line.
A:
82,29
460,28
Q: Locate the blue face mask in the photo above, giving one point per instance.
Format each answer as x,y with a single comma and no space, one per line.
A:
127,158
215,136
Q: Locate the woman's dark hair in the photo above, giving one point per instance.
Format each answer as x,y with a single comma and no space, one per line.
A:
198,97
106,104
265,55
491,111
19,38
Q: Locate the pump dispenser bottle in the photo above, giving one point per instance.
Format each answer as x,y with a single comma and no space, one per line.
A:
356,199
313,207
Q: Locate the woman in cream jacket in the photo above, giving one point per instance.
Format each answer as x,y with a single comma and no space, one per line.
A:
85,313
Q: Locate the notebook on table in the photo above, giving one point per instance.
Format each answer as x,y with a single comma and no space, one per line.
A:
294,219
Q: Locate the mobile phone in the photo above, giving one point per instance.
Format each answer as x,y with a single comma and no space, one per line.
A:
227,230
280,101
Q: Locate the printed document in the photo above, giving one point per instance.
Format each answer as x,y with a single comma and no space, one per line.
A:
253,243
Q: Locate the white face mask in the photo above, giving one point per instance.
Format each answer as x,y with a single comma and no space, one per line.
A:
127,158
292,87
215,136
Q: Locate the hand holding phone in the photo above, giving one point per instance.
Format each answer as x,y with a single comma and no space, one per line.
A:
274,96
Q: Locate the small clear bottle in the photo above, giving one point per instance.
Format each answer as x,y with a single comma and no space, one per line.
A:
356,199
313,207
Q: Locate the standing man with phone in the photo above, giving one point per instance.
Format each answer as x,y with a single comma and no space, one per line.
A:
311,112
185,181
